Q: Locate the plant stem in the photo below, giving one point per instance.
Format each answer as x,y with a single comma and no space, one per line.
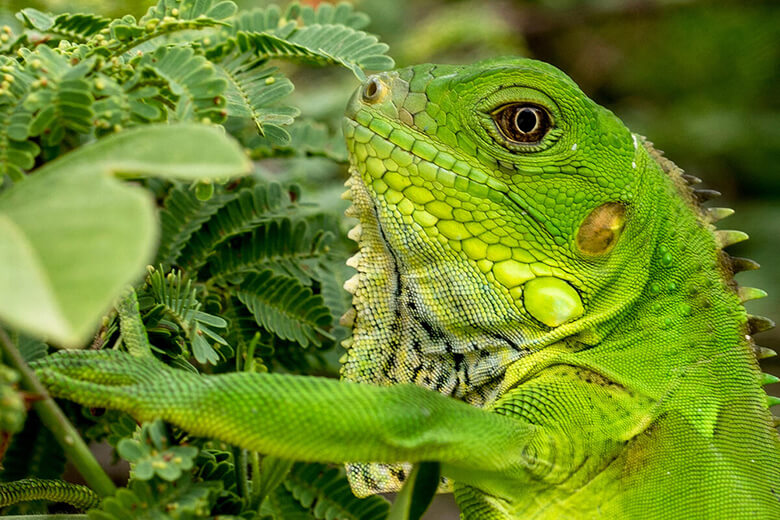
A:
53,418
257,498
239,465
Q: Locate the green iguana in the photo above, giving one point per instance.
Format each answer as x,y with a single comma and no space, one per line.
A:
541,304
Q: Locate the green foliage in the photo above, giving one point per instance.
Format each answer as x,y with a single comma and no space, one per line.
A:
182,500
417,493
283,306
324,492
151,455
175,297
249,272
62,290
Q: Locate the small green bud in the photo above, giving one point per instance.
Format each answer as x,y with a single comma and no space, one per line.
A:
270,81
204,190
175,12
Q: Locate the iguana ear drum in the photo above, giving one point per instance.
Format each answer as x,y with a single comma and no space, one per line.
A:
601,229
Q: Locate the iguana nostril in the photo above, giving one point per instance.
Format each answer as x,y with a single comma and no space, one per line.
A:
374,91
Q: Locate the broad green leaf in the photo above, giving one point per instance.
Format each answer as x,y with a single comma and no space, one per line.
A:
417,493
72,235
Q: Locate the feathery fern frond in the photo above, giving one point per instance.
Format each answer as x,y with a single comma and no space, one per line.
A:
61,97
179,298
285,307
279,245
244,334
192,80
182,215
190,10
323,45
162,20
17,154
343,13
331,275
250,208
281,505
326,493
263,19
78,28
253,90
307,139
142,499
34,452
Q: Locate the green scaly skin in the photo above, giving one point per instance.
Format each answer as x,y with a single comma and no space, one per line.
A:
556,323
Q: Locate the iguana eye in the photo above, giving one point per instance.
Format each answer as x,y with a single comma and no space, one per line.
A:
526,123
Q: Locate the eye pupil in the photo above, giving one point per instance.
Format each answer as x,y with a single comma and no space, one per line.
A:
525,123
526,120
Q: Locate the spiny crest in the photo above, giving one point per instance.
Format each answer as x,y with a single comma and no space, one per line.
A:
731,265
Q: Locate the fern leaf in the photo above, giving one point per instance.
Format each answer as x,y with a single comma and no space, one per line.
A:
325,13
285,307
78,28
189,10
253,90
250,208
279,245
307,139
242,331
263,19
119,105
162,20
61,98
281,505
17,154
192,80
181,304
331,275
323,45
34,452
182,216
326,493
31,348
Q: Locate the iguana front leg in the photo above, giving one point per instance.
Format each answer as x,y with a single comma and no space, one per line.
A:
306,418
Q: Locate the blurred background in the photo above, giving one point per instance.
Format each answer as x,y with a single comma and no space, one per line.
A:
701,79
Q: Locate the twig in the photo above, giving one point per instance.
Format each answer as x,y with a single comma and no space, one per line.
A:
52,417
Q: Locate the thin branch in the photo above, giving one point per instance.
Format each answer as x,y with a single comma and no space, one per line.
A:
59,425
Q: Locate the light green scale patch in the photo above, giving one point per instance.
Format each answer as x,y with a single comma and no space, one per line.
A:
511,273
552,301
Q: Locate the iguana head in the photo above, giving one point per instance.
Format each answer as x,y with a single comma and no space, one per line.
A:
499,208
